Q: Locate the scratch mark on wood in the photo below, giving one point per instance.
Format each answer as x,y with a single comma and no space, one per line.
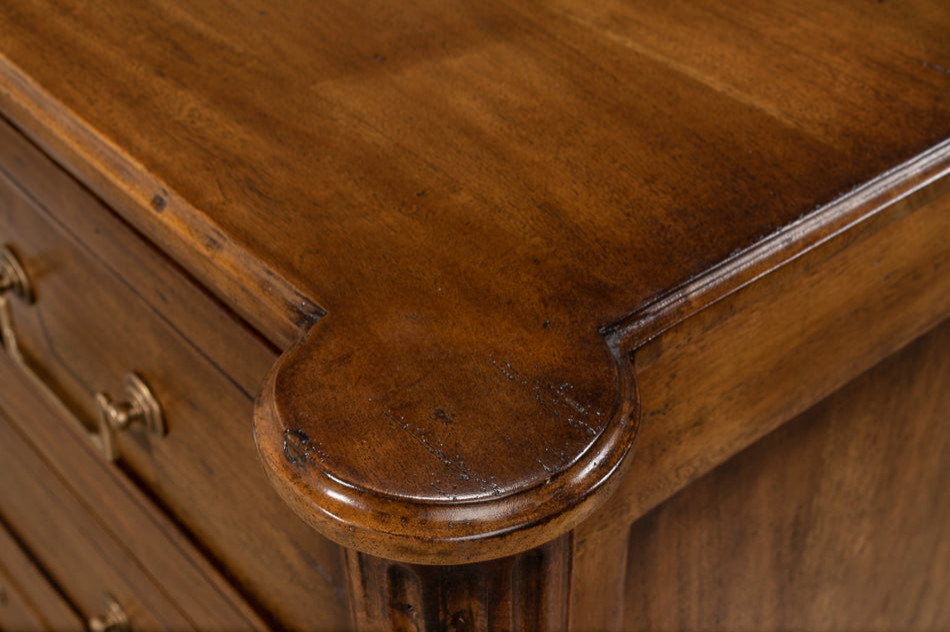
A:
553,398
936,67
454,463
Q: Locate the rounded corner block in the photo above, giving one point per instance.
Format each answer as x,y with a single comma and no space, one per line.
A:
469,445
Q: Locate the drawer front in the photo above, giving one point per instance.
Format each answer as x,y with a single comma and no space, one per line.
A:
106,304
27,600
163,585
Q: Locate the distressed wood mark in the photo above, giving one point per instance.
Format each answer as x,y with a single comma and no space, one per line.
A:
519,592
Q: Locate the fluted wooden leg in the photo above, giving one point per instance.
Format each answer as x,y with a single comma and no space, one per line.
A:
528,591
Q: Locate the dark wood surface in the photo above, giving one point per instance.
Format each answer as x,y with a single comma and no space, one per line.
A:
836,521
111,245
468,192
94,534
106,304
525,592
28,602
721,380
749,363
452,251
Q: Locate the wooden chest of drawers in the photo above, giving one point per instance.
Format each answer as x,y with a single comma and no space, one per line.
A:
579,316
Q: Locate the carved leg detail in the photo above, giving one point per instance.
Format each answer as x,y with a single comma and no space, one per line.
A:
528,591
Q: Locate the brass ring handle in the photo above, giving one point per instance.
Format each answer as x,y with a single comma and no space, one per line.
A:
140,407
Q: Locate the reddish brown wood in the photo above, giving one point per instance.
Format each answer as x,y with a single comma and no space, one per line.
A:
106,304
475,229
71,210
470,192
165,585
739,369
27,600
838,520
527,591
465,101
721,380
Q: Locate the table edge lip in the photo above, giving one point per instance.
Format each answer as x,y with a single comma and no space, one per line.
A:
504,526
284,314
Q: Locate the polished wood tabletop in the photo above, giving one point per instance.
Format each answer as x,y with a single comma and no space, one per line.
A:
459,218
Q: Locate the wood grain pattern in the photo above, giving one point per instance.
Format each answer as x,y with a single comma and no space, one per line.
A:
468,192
106,305
838,520
171,294
165,585
524,592
574,71
28,602
719,381
737,370
820,271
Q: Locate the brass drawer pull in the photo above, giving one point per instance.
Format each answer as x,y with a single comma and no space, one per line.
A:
140,407
113,619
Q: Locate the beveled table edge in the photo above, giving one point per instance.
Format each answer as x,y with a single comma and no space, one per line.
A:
781,247
440,533
272,304
432,532
386,526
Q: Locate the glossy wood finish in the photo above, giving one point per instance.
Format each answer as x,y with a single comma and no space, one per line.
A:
825,261
73,210
723,379
28,602
470,192
107,304
109,535
838,520
478,233
732,373
523,592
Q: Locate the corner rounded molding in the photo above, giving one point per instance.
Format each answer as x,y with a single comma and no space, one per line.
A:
430,529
